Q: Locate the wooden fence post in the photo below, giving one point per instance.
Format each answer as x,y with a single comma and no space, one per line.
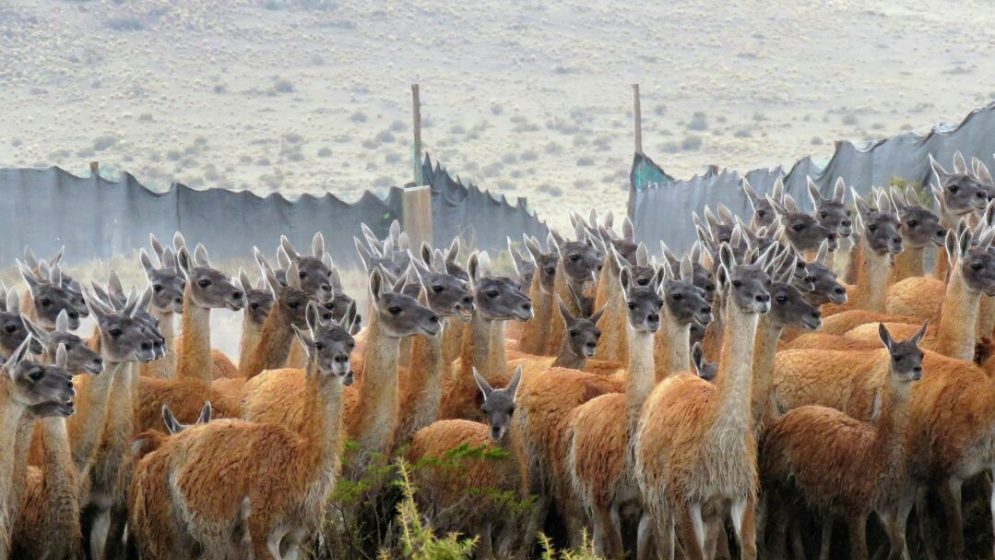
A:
95,169
637,119
417,199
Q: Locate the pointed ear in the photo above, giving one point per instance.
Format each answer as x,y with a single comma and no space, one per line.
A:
62,322
642,255
609,220
29,277
596,316
18,356
157,247
777,191
515,382
885,336
777,206
285,244
813,192
326,259
960,166
294,276
371,238
13,303
790,204
938,170
982,173
61,357
823,254
30,260
37,331
200,257
183,260
376,284
564,311
839,191
533,248
698,357
395,230
963,243
173,426
917,338
403,241
751,194
205,413
178,242
364,253
282,259
147,265
485,388
318,245
349,319
244,281
473,268
625,278
726,256
114,285
687,268
725,214
304,336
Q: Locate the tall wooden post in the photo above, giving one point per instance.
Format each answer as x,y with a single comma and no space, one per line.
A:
95,169
637,119
417,201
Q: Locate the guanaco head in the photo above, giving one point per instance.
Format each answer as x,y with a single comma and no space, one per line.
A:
80,358
906,357
545,262
499,404
644,303
625,244
959,192
209,288
581,260
880,226
329,343
702,367
166,280
314,272
920,226
45,267
12,329
686,303
291,298
832,211
50,296
820,275
803,231
497,298
972,251
400,315
641,267
123,337
35,383
446,295
116,298
174,426
582,333
258,297
789,308
523,263
984,176
387,255
764,214
746,286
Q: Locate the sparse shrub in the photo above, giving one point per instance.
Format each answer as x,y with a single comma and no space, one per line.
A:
457,129
358,117
816,141
509,159
145,117
691,143
283,86
386,137
16,142
743,133
391,158
325,152
496,109
398,126
553,149
585,161
659,109
698,121
551,190
220,88
101,143
124,24
529,155
849,119
293,138
492,169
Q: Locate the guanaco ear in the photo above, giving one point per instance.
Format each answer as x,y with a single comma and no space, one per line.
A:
17,356
596,316
625,278
200,257
183,260
395,230
533,248
839,191
173,425
565,311
178,242
285,243
726,256
30,259
29,277
364,254
885,336
244,281
960,166
687,268
642,255
628,230
294,276
425,251
938,170
350,318
777,191
147,265
813,192
920,334
36,330
982,173
751,194
157,248
482,384
311,316
698,358
403,242
318,245
13,303
376,284
306,339
823,254
282,259
205,413
326,259
62,322
512,387
61,357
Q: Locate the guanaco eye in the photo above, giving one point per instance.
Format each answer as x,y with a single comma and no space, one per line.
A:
115,332
302,274
953,188
157,288
395,310
823,215
898,358
781,299
632,306
913,223
35,375
573,334
438,289
761,213
254,305
45,302
677,297
798,227
872,227
319,346
491,294
574,258
204,283
737,284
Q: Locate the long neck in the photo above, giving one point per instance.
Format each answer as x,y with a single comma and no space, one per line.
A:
251,334
61,481
908,264
375,420
735,374
764,353
986,316
120,419
567,358
322,436
19,475
671,347
195,361
476,351
855,261
10,415
426,373
452,341
642,374
956,336
534,332
496,363
872,281
557,328
890,426
512,444
613,345
86,427
274,343
164,368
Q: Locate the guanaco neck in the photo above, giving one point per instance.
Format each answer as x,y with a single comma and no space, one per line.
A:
890,426
195,361
764,353
642,374
322,439
856,260
86,427
121,415
872,281
613,345
251,334
986,317
375,421
512,444
671,347
534,332
478,337
956,335
557,328
567,358
61,481
10,416
165,367
425,375
452,341
22,447
495,356
908,264
734,379
274,343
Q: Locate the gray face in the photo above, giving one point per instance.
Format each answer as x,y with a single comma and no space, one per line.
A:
963,193
835,216
339,305
167,283
400,315
447,295
149,323
748,285
644,303
80,358
805,232
499,298
825,287
259,303
49,301
315,277
705,369
920,227
626,248
525,266
906,357
35,383
13,333
583,334
686,302
330,343
978,269
499,404
123,338
696,332
789,309
882,232
580,261
75,293
209,287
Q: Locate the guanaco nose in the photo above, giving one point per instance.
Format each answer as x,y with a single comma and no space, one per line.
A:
341,358
761,298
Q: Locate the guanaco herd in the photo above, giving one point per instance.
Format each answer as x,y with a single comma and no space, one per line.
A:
738,387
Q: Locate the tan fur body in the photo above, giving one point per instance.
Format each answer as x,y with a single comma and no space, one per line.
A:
165,367
534,333
918,297
870,291
613,345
